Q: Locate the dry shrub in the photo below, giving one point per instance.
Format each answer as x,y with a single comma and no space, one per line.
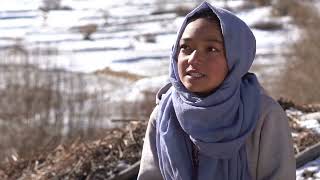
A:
149,38
41,106
87,30
180,10
48,5
149,101
268,25
306,16
283,7
183,10
300,79
295,8
139,109
244,6
100,159
261,2
161,5
119,74
146,37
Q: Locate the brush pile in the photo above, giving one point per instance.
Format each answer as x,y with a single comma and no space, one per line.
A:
101,159
118,151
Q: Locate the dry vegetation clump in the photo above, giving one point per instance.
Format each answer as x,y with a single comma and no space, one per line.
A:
87,30
284,7
182,10
43,107
306,108
137,110
268,25
261,2
300,78
305,137
48,5
40,107
119,74
108,157
101,159
146,37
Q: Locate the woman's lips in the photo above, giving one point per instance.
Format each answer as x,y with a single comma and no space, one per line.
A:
194,74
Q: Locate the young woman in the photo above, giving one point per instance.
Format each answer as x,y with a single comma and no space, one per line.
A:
214,121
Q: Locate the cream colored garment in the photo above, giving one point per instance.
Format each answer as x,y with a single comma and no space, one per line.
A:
269,148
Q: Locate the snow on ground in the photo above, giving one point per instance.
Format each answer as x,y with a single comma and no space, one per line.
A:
311,121
311,168
306,120
111,44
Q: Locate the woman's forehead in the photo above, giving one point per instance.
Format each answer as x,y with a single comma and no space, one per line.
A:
203,29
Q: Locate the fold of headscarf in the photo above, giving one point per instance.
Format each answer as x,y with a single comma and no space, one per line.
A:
218,124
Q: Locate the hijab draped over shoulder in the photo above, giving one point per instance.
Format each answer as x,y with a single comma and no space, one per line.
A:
218,124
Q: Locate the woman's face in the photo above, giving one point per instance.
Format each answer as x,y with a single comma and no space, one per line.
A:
202,64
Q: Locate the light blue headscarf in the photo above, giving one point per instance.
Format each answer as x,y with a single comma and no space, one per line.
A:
218,124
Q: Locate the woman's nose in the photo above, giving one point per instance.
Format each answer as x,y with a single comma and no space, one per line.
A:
195,57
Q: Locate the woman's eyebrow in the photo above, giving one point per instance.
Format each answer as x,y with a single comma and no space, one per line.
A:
207,40
186,39
215,40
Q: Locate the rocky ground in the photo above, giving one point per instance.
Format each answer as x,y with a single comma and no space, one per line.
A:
111,157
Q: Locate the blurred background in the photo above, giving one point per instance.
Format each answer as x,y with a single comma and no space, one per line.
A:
72,69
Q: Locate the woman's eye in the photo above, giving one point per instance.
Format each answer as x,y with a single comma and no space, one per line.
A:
211,49
186,49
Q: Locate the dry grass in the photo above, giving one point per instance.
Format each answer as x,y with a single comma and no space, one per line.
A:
283,7
261,2
119,74
116,152
40,107
267,25
180,10
183,10
87,30
300,79
100,159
